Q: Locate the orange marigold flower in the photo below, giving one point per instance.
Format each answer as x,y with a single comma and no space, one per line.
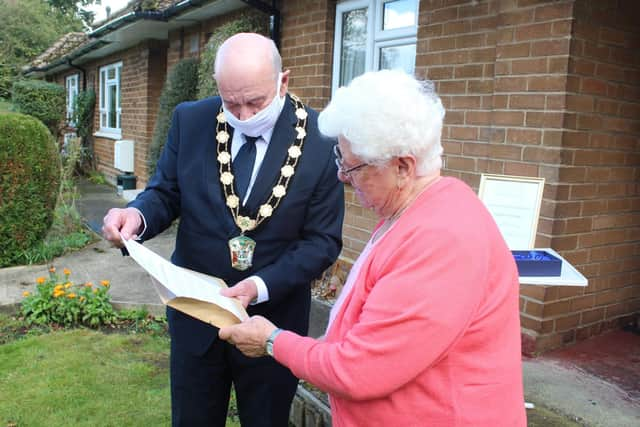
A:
66,271
58,287
26,293
52,269
71,295
40,280
67,285
88,284
56,294
105,283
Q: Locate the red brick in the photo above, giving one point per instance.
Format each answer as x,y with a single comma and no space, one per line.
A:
521,169
475,149
547,83
508,118
557,308
527,101
516,50
523,136
516,17
544,119
533,31
511,84
592,316
583,302
464,133
553,12
529,66
567,322
501,151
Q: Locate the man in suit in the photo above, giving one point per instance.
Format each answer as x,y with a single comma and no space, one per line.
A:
255,186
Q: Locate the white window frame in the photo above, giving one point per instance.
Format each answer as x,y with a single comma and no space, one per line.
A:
104,101
71,84
376,37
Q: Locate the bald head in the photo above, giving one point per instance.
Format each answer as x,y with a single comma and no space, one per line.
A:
248,72
247,53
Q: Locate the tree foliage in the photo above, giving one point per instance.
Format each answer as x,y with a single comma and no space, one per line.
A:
181,85
251,22
28,28
74,8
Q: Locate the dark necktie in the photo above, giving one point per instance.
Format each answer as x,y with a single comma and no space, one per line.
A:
243,165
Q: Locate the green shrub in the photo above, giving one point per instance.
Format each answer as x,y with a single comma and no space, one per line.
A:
29,180
84,107
180,86
57,300
251,22
42,100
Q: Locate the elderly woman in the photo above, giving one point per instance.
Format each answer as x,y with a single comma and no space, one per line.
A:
426,330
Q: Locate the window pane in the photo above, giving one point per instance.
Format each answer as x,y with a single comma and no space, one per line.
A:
113,97
111,73
402,57
399,14
354,40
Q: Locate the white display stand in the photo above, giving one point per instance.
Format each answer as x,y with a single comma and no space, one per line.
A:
514,202
569,276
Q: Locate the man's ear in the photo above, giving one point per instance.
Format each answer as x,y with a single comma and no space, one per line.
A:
284,82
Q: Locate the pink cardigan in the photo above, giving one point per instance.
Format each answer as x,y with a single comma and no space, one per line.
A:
430,334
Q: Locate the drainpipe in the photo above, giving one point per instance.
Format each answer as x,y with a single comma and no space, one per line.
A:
84,73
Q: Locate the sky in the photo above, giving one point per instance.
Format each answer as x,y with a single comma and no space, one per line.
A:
99,10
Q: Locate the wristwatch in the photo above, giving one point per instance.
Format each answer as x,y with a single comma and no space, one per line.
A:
268,346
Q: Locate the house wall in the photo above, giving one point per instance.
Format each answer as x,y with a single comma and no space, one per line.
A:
143,75
596,217
532,88
550,89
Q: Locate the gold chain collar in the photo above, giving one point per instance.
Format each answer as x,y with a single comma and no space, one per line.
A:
288,169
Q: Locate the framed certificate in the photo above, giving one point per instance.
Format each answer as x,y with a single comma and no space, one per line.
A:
514,202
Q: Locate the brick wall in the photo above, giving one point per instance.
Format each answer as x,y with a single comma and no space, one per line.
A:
596,221
143,75
550,89
307,48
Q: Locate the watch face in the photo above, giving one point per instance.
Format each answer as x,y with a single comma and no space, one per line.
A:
270,348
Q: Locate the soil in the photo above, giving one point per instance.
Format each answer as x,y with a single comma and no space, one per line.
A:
328,286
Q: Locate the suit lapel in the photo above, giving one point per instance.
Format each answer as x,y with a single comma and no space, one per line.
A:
282,137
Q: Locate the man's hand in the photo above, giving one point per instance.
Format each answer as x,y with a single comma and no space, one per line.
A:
249,336
245,291
126,221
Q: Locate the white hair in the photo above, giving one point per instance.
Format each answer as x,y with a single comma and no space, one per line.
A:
387,114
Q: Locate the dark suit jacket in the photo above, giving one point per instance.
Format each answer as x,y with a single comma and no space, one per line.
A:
294,246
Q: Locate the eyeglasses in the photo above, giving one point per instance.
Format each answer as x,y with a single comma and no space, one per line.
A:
341,169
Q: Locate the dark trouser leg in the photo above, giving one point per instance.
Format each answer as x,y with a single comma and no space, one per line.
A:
264,390
200,386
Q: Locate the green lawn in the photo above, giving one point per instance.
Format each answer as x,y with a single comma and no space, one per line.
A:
81,377
4,105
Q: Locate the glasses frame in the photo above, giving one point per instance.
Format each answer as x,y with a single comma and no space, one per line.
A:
341,169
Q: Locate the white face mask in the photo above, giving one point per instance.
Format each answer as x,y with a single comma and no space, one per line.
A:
263,120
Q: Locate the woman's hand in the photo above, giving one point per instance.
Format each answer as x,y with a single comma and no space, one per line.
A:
249,336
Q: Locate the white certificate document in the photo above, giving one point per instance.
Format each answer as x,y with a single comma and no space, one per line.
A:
194,293
514,203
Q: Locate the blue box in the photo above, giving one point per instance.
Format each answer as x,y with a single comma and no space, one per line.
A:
537,263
